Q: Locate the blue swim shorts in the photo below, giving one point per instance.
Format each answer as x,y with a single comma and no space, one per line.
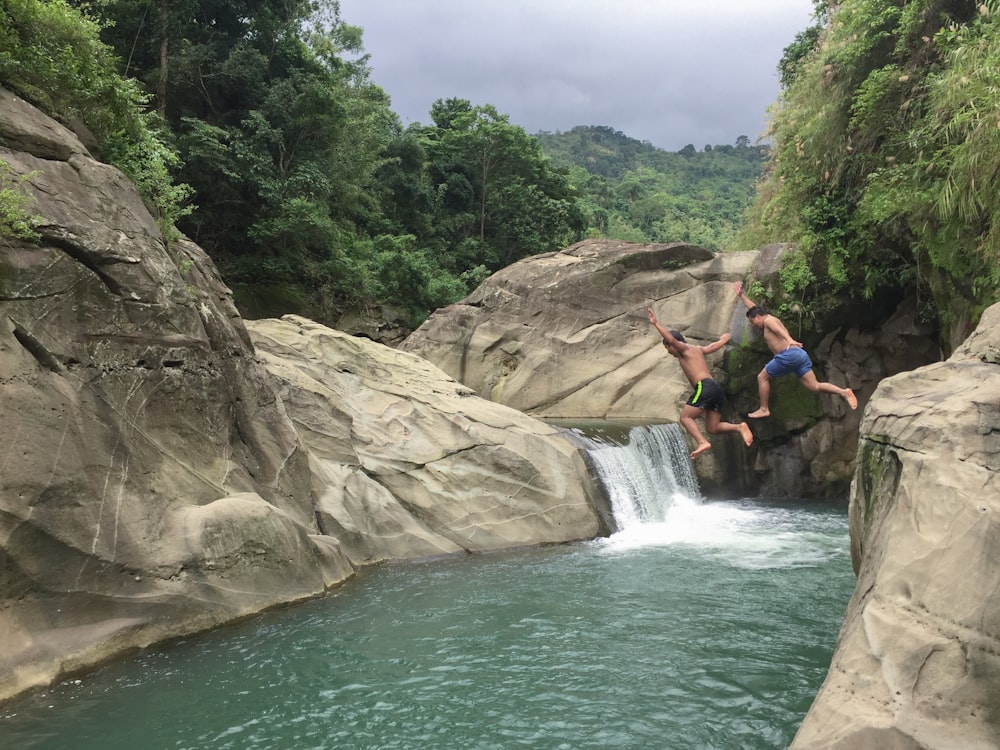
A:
793,359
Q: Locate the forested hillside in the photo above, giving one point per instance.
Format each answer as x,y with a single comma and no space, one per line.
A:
631,190
255,129
886,142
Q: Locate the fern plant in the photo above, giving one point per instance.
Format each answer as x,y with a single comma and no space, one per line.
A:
15,219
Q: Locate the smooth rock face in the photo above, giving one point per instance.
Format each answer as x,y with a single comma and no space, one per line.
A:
152,482
408,462
566,334
917,663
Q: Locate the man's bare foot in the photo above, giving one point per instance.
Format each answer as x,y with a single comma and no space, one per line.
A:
747,433
852,400
700,449
759,414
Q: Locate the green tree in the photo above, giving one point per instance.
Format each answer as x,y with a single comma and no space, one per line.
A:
51,54
634,191
281,134
884,144
498,198
310,196
15,218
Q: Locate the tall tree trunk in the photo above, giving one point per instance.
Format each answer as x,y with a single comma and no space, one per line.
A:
161,89
485,168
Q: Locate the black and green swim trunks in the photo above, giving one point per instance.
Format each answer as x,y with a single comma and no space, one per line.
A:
707,394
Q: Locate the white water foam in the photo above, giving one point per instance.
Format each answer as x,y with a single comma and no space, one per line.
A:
656,501
645,476
739,534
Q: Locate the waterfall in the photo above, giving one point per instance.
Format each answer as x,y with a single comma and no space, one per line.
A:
643,472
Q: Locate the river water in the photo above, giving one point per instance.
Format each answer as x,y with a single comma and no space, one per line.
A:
698,624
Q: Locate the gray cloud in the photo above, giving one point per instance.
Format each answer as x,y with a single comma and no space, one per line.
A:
670,72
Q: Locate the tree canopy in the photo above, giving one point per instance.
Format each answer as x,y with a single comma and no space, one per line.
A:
52,56
253,127
291,169
631,190
886,141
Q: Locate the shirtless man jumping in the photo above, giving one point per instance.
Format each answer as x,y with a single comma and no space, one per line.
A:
789,357
707,397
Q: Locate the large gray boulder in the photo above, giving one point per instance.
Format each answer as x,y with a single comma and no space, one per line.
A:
916,663
407,462
151,483
566,334
152,480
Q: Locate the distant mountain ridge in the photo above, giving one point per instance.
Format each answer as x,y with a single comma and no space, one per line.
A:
610,153
633,190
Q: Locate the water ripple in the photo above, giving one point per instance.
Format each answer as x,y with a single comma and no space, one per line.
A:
711,635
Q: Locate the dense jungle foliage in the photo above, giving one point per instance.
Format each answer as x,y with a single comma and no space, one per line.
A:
884,169
631,190
254,128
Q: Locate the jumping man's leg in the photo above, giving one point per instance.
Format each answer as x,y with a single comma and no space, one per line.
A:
810,381
714,425
688,416
764,389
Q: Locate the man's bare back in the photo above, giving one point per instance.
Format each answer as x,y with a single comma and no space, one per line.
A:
691,358
776,336
779,341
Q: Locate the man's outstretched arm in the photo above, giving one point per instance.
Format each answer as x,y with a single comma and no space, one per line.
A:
716,345
667,336
738,288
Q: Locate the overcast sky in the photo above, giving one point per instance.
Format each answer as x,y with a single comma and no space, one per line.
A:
671,72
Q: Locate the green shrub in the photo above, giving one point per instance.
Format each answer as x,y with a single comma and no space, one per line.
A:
15,219
52,56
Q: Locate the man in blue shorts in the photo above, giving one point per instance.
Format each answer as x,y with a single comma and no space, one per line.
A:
789,357
707,397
